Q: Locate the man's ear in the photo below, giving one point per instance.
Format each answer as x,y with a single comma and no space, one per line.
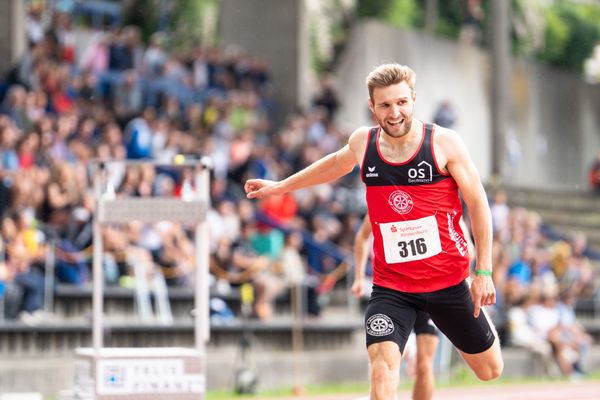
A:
371,105
414,97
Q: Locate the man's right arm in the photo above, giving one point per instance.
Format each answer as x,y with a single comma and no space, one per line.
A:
328,168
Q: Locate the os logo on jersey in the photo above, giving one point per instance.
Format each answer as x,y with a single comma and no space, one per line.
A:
422,174
400,201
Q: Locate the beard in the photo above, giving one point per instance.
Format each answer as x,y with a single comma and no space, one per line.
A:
397,131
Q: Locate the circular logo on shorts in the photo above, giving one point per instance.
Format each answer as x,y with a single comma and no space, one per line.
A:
379,325
400,201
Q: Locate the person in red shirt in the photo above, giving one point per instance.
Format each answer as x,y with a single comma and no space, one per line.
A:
413,172
594,174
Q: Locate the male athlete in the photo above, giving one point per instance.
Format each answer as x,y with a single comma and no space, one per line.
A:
413,172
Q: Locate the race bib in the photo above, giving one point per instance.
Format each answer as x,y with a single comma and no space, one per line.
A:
410,240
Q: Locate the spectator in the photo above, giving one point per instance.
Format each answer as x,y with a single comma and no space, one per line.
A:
295,275
63,193
34,27
120,54
573,332
155,57
327,97
9,159
522,333
138,139
127,99
65,35
24,249
471,30
15,106
594,174
545,319
445,115
500,214
96,55
176,256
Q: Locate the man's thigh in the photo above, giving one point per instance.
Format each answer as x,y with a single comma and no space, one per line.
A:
390,316
451,310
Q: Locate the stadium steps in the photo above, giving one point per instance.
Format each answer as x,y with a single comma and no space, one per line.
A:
59,338
566,211
72,301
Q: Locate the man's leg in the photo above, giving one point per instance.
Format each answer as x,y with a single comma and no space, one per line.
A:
384,368
389,318
488,364
476,339
424,377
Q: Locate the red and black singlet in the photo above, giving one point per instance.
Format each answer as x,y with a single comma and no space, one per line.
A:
415,211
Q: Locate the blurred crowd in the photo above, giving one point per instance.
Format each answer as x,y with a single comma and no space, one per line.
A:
123,99
538,280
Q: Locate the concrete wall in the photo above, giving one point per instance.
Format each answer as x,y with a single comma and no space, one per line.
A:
277,31
555,125
12,32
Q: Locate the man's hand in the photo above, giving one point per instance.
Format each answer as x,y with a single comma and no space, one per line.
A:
358,288
260,188
483,293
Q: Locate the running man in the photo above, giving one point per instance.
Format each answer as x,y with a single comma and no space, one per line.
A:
413,172
425,331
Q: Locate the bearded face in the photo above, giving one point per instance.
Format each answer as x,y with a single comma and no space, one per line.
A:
392,107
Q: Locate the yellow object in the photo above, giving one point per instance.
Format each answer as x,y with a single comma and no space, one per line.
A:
247,293
179,159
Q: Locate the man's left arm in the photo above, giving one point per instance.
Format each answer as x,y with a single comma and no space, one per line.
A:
462,169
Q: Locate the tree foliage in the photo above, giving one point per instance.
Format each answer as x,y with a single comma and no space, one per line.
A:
558,32
399,13
571,32
183,20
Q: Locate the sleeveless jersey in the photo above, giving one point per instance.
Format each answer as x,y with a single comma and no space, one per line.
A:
414,209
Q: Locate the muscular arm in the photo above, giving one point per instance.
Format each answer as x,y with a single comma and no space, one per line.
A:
462,169
328,168
361,253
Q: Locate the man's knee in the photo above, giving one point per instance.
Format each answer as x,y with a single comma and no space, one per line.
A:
384,364
424,367
490,371
384,358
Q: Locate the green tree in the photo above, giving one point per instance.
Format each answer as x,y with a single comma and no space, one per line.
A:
572,30
190,21
186,19
399,13
452,14
143,14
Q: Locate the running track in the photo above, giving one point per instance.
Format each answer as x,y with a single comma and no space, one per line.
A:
531,391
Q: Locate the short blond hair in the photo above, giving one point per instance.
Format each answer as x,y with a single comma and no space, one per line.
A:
390,74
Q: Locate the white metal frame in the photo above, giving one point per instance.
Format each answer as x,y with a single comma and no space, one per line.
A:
126,209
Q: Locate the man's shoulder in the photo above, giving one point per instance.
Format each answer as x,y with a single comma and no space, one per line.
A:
358,141
444,136
443,131
361,133
364,129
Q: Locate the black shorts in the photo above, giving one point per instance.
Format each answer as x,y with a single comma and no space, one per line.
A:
424,325
391,315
